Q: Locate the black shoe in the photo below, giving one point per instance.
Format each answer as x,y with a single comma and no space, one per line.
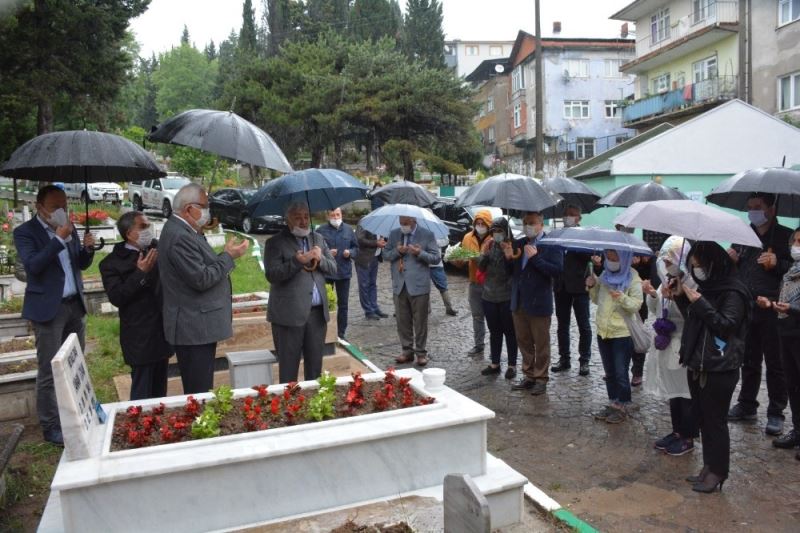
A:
381,314
584,370
476,351
511,372
788,441
490,370
774,425
371,316
54,436
560,367
710,483
738,412
699,477
539,388
525,384
451,312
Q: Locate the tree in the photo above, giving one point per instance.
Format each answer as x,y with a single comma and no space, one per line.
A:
373,20
211,51
423,35
184,80
247,35
185,36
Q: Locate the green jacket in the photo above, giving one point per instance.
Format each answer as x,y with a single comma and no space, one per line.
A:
609,321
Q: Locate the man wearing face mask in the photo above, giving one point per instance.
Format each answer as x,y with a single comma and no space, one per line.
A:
762,271
296,263
571,295
473,241
197,288
343,246
130,278
532,303
410,251
49,247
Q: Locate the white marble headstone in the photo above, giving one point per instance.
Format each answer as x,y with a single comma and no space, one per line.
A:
466,509
78,407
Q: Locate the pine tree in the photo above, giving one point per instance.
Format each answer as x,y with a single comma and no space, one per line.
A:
211,51
423,34
373,19
185,36
247,35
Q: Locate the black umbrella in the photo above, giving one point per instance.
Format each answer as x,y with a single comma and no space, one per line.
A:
81,157
784,183
627,195
223,133
404,192
574,193
511,191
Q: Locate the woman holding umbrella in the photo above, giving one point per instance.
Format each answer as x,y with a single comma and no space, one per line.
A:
717,317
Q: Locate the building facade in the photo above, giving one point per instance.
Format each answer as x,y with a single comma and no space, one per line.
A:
465,56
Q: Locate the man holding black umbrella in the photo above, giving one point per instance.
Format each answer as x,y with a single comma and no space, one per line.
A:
51,251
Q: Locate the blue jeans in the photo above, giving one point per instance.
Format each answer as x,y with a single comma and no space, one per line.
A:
439,278
616,356
342,287
565,304
368,287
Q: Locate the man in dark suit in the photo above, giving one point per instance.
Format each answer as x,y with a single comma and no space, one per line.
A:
296,262
411,250
130,277
49,247
341,241
197,288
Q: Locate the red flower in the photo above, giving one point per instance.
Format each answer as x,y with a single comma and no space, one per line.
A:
275,405
192,407
160,409
134,411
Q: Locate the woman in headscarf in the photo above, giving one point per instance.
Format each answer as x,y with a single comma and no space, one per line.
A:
788,309
666,376
717,316
617,291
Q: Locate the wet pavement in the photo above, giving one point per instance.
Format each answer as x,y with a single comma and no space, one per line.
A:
609,475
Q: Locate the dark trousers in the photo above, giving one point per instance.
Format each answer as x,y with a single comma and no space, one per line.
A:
411,313
149,381
342,287
305,342
637,366
70,318
196,362
566,303
790,350
368,287
683,422
501,324
616,357
710,403
762,344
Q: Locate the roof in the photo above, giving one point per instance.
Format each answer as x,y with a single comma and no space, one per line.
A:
486,69
569,42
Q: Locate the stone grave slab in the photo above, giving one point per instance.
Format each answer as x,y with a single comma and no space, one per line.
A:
466,509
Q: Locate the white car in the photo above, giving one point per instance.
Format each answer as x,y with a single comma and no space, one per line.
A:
96,192
158,193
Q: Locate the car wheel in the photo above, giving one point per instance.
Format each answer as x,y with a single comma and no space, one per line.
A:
166,209
247,224
137,204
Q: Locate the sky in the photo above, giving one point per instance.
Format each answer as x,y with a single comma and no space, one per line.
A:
160,27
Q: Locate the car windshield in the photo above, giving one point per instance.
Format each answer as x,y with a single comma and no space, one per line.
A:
174,183
248,193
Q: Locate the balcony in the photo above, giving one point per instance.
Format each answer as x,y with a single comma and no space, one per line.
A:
696,30
692,98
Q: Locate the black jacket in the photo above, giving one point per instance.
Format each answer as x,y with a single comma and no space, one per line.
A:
715,329
138,297
572,279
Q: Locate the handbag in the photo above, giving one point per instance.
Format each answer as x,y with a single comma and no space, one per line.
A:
639,334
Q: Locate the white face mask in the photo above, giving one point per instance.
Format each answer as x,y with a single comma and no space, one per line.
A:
499,237
530,231
700,273
297,231
481,230
673,270
796,253
335,222
205,216
405,229
58,218
757,217
146,236
570,222
612,266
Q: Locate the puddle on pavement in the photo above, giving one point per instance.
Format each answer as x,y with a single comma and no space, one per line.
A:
632,500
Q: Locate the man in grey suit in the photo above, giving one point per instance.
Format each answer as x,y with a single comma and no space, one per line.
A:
411,250
197,288
296,261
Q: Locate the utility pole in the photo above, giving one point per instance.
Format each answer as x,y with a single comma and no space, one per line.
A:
539,147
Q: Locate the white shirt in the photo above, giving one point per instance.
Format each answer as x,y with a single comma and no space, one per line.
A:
70,288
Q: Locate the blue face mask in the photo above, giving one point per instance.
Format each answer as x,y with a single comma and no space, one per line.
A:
757,217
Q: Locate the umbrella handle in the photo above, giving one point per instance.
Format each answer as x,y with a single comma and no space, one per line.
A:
99,246
212,224
311,266
517,254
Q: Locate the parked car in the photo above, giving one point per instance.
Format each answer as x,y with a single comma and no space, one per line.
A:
156,194
459,219
229,206
96,192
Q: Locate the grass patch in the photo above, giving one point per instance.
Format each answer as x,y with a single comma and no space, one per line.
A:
105,359
248,276
12,305
94,269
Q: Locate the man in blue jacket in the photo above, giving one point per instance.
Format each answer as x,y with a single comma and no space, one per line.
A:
342,243
532,303
49,247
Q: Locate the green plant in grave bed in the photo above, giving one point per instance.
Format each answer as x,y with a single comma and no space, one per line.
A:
223,399
331,293
320,406
206,425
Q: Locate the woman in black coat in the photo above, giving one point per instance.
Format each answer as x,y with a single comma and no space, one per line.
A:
717,316
130,278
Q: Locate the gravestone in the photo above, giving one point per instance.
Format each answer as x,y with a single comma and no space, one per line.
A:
250,368
466,509
78,407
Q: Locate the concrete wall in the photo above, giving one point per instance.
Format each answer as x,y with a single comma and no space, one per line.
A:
465,64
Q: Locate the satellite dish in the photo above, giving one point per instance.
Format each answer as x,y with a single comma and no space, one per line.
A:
499,68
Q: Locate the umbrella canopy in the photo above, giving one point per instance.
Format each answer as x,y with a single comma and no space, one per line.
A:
384,219
784,183
640,192
81,157
223,133
511,191
573,192
689,219
595,240
320,188
404,192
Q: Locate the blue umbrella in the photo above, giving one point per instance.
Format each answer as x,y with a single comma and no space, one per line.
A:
320,188
384,219
595,240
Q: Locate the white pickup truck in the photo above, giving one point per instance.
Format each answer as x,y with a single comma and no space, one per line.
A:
96,192
156,194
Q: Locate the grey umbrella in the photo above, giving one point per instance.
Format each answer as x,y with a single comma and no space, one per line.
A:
223,133
511,191
404,192
640,192
784,183
574,193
